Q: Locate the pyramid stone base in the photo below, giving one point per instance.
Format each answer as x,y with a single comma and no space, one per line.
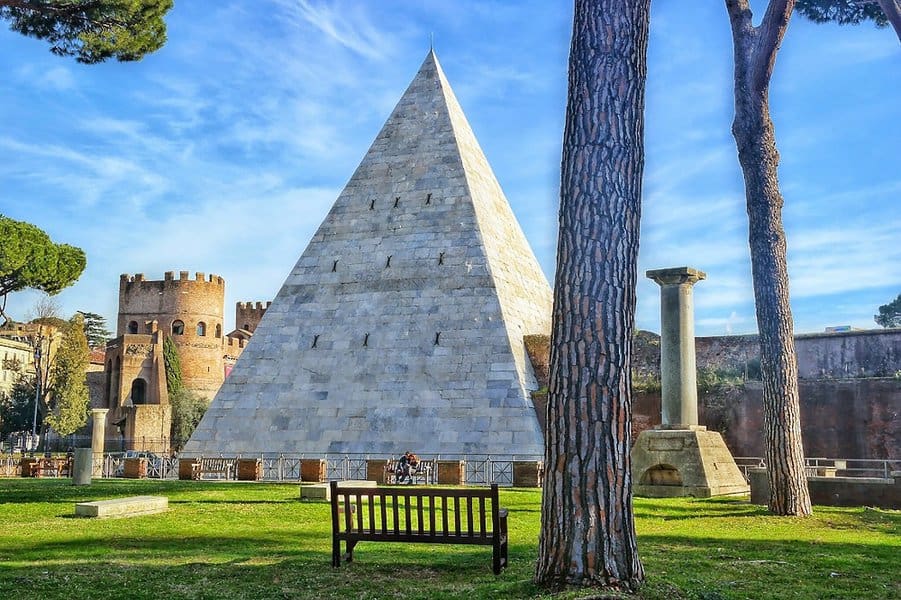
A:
684,462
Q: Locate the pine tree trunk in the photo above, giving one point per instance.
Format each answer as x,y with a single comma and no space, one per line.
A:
587,525
756,141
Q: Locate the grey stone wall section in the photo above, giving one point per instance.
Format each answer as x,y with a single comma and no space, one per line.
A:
364,353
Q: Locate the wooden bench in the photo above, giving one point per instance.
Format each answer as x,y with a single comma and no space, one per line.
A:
51,467
418,515
422,474
214,466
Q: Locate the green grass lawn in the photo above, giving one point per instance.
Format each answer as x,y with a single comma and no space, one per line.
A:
252,540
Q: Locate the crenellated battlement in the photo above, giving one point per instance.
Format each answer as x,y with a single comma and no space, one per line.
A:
253,305
249,314
235,342
169,278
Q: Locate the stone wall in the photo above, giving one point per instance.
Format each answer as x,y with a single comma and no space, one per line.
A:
841,417
845,355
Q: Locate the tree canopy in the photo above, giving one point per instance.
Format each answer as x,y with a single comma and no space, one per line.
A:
890,314
852,12
91,30
95,329
30,259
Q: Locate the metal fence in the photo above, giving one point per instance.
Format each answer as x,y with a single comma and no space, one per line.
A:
840,467
479,469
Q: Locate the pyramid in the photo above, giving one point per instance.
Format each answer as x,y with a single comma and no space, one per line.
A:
401,325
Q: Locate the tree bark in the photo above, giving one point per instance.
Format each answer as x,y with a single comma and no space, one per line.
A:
892,10
755,52
587,526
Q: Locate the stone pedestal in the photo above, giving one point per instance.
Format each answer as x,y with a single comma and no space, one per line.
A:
135,468
684,462
451,472
188,469
98,434
528,473
25,466
249,469
82,466
313,470
375,470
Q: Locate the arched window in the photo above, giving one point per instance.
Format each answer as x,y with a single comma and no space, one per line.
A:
138,391
132,327
246,327
178,327
218,330
201,328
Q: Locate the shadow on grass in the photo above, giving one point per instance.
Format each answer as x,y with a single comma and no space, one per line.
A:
27,490
773,568
698,509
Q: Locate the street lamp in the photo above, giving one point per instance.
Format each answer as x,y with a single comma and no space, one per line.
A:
37,393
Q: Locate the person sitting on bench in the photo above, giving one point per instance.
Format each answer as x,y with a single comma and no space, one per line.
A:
406,467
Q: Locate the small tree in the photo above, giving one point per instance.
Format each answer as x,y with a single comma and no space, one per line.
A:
44,332
69,391
890,314
173,366
187,410
17,406
91,30
95,329
30,259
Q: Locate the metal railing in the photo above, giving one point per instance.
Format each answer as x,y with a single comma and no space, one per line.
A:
479,469
840,467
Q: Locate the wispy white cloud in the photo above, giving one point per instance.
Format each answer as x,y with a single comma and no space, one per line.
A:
346,25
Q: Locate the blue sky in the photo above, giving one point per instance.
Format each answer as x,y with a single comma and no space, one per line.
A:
222,152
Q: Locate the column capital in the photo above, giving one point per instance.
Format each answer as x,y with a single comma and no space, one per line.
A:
676,275
99,411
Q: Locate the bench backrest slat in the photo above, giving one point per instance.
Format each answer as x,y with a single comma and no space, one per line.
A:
395,508
482,527
348,513
419,501
431,515
407,513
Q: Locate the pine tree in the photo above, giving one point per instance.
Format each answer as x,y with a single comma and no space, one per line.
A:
95,329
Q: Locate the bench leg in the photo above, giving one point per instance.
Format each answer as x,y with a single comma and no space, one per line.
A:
504,539
349,555
336,552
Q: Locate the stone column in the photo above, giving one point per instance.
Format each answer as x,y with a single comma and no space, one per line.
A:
678,371
98,436
82,466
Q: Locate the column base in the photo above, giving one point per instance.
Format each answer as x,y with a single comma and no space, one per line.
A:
684,462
